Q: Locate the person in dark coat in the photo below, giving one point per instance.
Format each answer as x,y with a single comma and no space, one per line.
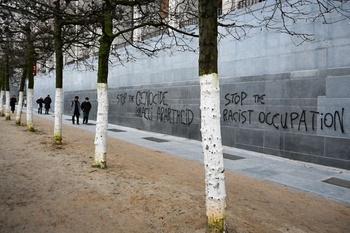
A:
47,102
75,109
86,107
40,102
13,101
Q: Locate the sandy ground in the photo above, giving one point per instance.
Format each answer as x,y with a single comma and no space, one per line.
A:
47,188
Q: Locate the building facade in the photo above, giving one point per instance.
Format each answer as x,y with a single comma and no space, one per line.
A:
277,97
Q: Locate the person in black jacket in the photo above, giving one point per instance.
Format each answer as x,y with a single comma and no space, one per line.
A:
75,109
47,102
86,107
13,100
40,102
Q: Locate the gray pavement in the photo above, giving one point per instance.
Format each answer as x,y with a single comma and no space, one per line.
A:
294,174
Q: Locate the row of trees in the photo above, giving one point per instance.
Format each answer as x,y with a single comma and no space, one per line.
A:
33,31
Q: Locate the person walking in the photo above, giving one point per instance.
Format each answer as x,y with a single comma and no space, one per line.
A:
47,102
40,102
13,101
86,107
75,109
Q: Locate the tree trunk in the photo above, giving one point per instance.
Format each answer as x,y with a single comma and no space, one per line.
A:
213,154
19,108
58,97
57,139
30,93
100,159
210,117
7,105
2,89
7,86
2,112
21,96
30,96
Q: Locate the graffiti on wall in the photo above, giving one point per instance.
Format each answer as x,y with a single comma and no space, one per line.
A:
153,106
237,107
302,120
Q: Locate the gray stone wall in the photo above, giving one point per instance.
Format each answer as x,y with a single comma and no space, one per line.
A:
290,116
276,97
286,115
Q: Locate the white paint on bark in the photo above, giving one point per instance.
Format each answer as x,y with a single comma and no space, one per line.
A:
19,108
30,96
101,126
212,146
7,106
57,132
2,103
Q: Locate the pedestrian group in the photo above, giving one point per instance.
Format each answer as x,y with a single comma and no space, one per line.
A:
47,101
76,107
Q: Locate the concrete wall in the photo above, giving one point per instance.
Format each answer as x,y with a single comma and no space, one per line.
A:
276,97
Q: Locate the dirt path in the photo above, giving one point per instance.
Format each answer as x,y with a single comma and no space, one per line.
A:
47,188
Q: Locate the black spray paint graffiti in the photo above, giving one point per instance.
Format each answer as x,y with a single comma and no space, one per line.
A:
306,120
152,106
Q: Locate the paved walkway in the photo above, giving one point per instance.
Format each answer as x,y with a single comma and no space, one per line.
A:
295,174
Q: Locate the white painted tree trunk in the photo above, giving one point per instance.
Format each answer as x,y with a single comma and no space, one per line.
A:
30,96
2,111
100,159
57,138
212,147
19,108
7,106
